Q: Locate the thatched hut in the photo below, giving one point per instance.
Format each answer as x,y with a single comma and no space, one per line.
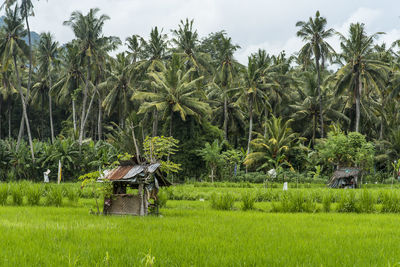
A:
345,177
143,176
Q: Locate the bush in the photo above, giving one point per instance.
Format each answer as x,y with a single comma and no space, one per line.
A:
16,194
222,201
3,194
33,193
54,196
248,200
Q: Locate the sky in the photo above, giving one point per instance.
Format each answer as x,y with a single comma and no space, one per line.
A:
252,24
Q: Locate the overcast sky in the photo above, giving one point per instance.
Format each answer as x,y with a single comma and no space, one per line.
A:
253,24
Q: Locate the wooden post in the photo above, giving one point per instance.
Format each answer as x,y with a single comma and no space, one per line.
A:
141,209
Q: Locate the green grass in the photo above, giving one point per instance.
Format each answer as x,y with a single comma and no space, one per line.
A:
190,233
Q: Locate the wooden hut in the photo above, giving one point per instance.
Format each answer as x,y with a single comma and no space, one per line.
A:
143,176
345,177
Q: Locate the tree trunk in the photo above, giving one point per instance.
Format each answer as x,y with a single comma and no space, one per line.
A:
51,112
135,143
100,120
1,100
225,117
155,122
314,129
9,118
24,107
85,96
265,122
41,132
74,115
358,95
250,123
21,131
321,118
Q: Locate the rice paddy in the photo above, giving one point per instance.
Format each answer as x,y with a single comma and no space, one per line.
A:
191,233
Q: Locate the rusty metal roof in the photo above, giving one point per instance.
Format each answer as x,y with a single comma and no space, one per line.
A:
130,171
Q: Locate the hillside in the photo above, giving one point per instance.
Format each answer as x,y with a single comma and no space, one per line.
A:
34,35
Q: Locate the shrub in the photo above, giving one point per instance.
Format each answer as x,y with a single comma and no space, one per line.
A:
54,196
222,201
248,200
3,194
33,193
16,194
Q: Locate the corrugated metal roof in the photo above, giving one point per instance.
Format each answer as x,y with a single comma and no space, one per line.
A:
130,171
118,173
153,167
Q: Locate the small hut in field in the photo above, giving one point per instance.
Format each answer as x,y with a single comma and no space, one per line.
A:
143,176
345,177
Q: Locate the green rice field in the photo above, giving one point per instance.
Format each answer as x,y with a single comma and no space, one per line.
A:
190,233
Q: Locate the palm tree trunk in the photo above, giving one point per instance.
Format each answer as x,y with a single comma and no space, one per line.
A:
250,123
265,122
24,107
358,95
74,115
21,130
314,128
155,122
85,96
321,118
225,117
100,121
51,112
1,100
41,132
9,118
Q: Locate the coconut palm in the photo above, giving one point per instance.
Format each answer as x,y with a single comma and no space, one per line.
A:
71,77
314,33
361,72
12,47
88,30
119,87
272,150
253,93
47,58
176,93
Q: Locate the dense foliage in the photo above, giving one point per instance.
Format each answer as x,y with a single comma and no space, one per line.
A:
78,104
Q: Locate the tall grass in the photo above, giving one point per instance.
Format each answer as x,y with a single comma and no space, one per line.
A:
3,194
248,199
222,201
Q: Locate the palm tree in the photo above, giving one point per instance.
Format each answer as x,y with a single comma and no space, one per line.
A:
88,30
47,57
186,40
313,32
253,93
272,150
360,71
68,85
176,93
153,53
12,47
133,43
226,71
119,87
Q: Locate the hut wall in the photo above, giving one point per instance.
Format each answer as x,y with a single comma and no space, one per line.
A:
125,204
